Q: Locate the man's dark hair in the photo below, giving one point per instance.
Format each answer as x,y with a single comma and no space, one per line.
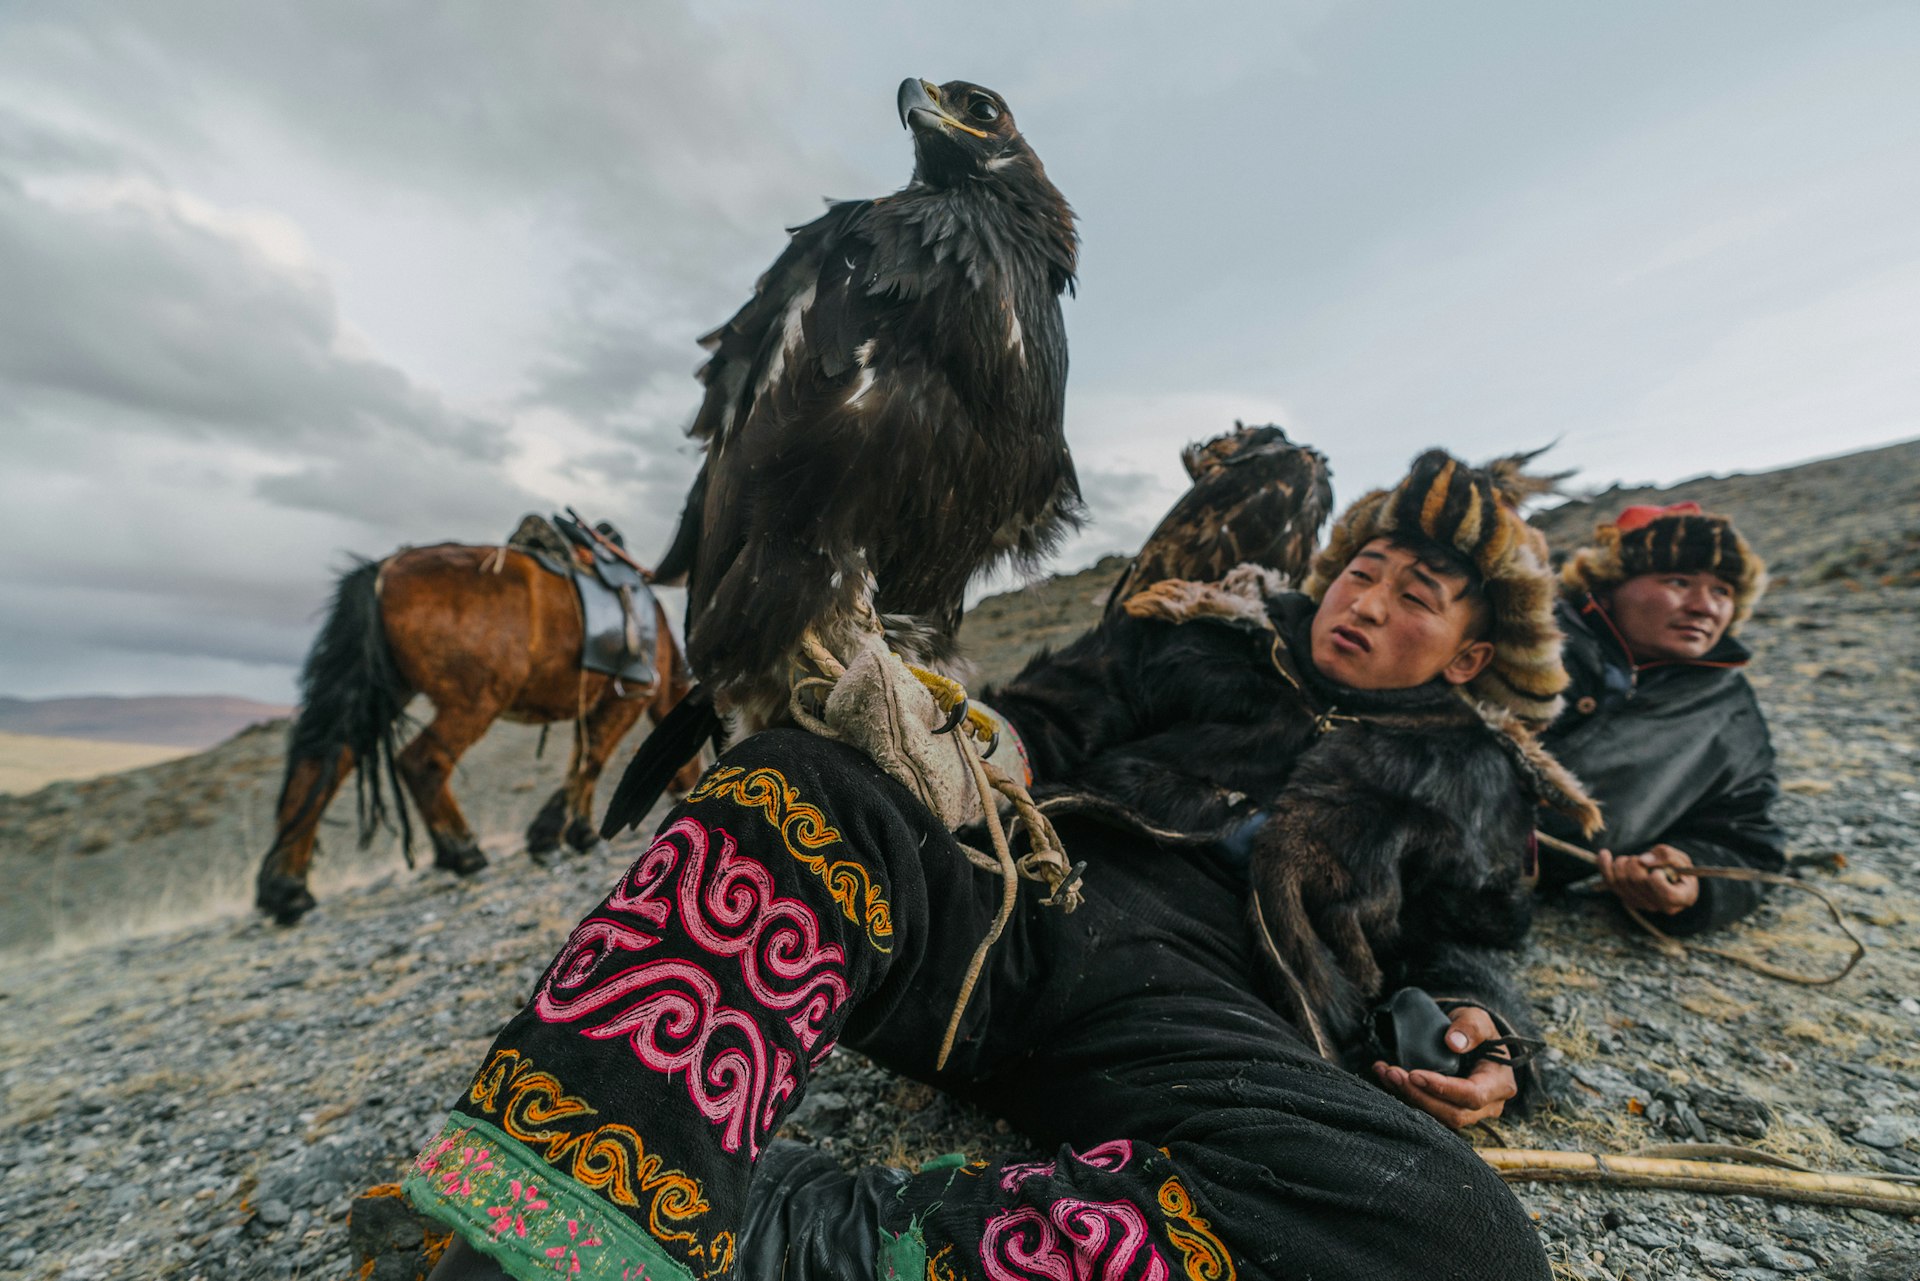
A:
1449,562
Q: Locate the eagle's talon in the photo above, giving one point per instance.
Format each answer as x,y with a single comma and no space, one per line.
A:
949,695
954,717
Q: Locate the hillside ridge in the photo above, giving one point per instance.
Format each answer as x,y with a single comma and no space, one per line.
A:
165,720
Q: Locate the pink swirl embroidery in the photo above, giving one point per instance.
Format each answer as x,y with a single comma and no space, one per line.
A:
680,1026
672,1011
1072,1241
1018,1172
1111,1155
732,910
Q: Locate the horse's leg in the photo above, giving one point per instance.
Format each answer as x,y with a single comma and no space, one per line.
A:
427,765
543,834
281,889
605,725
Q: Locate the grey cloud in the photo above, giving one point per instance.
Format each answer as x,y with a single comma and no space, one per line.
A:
393,484
156,622
27,144
1109,490
137,644
665,151
1124,504
648,469
134,305
602,365
148,319
603,109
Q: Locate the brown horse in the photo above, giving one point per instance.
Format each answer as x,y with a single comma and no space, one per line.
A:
483,634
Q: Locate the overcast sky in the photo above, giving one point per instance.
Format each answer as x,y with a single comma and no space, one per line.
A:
283,282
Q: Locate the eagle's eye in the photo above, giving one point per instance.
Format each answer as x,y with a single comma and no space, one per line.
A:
982,108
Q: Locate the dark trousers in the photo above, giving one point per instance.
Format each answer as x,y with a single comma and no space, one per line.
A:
800,897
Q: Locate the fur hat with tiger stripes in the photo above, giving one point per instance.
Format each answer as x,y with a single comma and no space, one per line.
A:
1680,539
1475,512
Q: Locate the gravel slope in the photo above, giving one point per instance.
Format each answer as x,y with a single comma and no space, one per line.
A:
203,1102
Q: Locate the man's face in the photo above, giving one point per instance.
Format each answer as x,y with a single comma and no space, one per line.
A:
1390,622
1672,616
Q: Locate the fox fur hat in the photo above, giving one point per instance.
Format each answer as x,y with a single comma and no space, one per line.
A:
1680,539
1475,511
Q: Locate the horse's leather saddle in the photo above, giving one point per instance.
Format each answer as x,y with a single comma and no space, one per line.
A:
615,601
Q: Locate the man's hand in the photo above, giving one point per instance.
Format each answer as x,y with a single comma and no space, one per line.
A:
1457,1101
1642,882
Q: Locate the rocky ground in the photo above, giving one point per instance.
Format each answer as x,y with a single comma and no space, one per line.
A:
203,1102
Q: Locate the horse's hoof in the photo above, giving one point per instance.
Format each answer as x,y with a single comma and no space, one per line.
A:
543,834
582,836
284,899
461,860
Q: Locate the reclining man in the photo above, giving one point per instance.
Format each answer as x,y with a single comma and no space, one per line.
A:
622,1124
1660,724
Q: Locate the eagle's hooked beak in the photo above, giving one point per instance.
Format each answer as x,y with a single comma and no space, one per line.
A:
920,108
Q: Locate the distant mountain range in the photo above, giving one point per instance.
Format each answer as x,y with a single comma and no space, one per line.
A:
169,720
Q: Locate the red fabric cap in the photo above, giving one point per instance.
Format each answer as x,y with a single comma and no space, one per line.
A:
1634,518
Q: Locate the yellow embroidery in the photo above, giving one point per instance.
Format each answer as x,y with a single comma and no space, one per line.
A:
1202,1254
611,1159
718,1255
939,1269
804,829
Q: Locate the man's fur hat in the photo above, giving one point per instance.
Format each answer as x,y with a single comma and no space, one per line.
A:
1475,511
1680,539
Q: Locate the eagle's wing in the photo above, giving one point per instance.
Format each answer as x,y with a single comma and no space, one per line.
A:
749,353
824,445
1257,497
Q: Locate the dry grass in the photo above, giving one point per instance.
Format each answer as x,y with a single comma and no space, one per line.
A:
1873,1023
28,1102
1825,1033
1711,1002
327,1116
1813,1144
1900,1060
1574,1038
1556,978
397,988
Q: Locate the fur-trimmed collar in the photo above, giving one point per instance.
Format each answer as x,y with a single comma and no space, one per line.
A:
1257,599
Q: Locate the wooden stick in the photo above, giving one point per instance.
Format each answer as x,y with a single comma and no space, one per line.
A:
1677,947
1532,1166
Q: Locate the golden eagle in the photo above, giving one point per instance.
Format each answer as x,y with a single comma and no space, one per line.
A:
882,420
1257,497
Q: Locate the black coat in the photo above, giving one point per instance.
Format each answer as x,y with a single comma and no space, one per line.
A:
1221,733
1676,753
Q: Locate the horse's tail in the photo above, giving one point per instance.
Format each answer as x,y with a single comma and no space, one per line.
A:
352,696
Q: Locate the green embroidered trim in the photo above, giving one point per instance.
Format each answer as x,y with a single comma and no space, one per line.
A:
903,1257
945,1161
530,1218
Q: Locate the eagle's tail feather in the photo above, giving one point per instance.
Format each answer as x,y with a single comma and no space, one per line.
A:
675,740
